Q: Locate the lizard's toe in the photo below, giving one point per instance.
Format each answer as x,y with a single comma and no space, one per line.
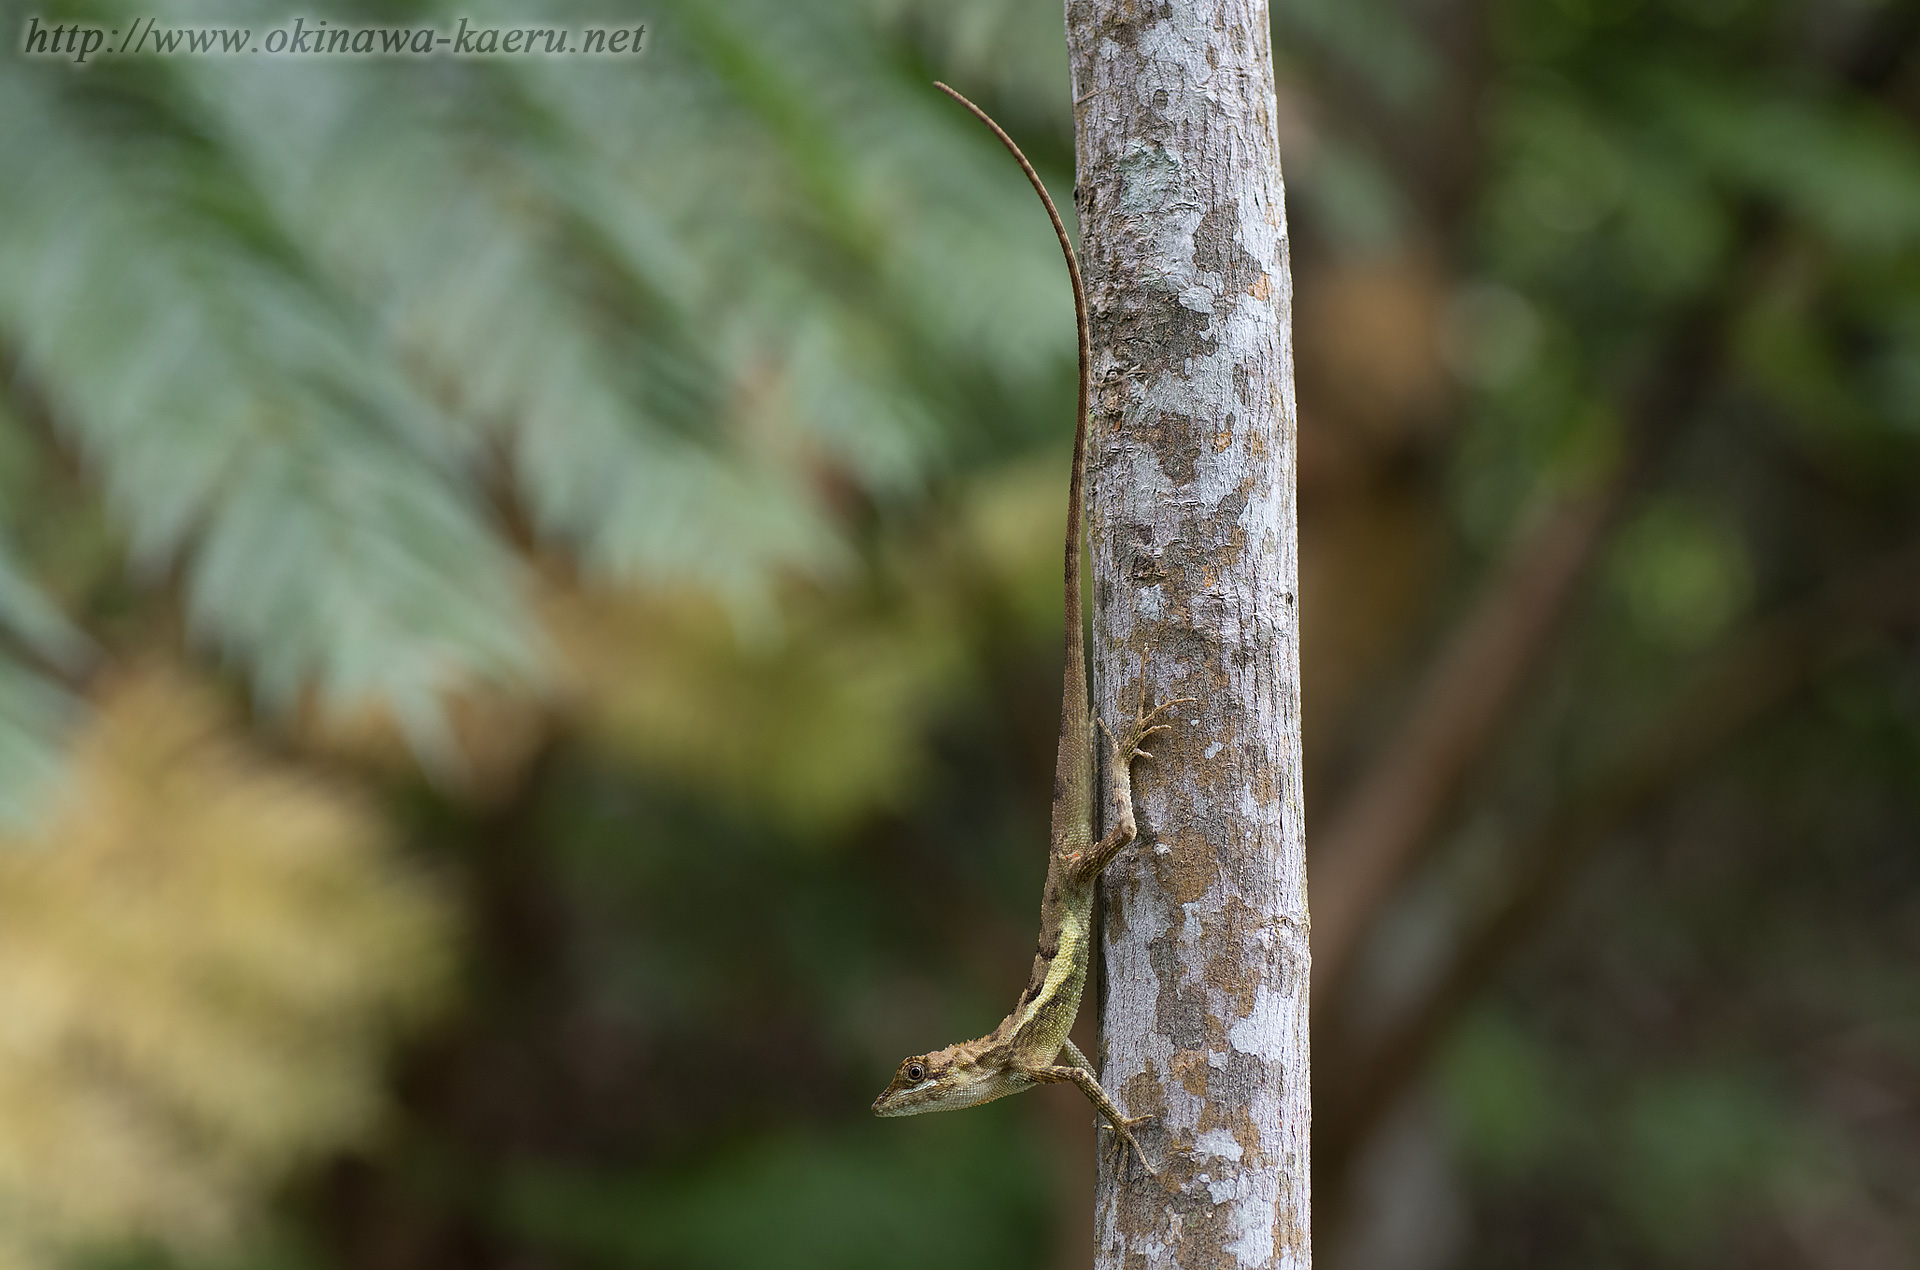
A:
1126,1142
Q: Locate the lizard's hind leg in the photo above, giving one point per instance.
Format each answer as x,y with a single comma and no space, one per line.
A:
1126,746
1123,749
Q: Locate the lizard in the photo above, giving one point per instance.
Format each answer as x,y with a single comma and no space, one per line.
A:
1026,1049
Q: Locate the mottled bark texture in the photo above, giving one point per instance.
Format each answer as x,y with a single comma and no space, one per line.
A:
1204,1002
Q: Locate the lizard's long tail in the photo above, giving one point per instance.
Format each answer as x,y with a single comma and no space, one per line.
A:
1074,703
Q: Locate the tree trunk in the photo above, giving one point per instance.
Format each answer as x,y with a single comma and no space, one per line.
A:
1204,1000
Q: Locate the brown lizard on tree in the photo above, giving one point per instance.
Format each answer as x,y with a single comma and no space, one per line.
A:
1024,1050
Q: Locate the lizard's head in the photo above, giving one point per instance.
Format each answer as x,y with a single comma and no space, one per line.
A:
939,1081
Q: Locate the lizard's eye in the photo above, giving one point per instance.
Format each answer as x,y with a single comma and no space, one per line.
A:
916,1073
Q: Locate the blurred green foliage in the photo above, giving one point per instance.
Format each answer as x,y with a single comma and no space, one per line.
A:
968,1203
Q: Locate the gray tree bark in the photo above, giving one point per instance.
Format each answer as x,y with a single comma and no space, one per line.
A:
1204,1002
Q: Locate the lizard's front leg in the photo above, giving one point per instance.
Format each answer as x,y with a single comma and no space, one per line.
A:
1080,1073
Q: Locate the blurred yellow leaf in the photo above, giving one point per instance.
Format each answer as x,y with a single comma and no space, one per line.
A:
202,955
492,735
817,729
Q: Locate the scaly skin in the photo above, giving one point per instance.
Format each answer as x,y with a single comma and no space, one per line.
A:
1025,1049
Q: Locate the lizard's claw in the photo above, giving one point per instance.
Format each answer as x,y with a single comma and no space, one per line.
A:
1124,1132
1144,724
